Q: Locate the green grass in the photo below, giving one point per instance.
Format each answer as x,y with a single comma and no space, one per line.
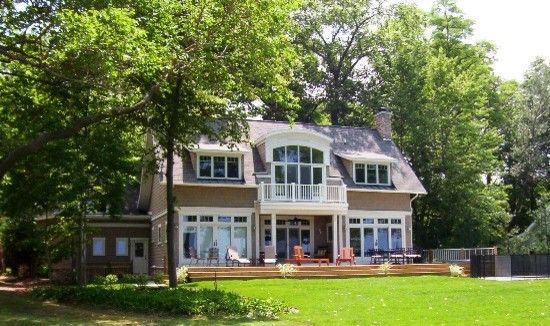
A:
428,300
404,300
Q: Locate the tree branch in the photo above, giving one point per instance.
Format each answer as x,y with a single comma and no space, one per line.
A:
41,140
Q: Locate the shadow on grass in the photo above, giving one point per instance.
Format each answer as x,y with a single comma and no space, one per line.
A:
22,309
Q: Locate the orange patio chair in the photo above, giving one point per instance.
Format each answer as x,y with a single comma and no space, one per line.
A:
346,254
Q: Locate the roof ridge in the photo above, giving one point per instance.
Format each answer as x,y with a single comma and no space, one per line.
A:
312,124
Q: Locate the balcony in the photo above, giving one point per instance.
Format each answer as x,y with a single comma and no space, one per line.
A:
301,193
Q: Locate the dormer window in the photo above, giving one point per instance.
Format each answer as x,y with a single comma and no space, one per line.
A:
297,164
219,167
372,173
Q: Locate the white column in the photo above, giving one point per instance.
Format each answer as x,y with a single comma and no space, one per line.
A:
257,234
340,231
346,230
274,231
334,238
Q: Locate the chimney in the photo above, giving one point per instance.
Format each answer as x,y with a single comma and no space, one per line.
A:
382,122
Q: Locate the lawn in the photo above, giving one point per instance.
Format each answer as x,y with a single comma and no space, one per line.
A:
423,300
404,300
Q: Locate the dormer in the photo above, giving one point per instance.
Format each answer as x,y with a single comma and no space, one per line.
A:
370,168
215,161
296,156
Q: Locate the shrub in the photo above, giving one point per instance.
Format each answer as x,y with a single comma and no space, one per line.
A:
385,268
128,279
99,280
182,301
286,270
456,271
157,278
183,274
110,279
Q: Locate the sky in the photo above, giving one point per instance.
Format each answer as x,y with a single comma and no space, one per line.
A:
520,29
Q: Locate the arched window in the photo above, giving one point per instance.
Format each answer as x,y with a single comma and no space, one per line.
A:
298,164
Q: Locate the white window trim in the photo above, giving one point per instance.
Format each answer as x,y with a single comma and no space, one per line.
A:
374,215
377,177
215,224
104,245
116,247
159,233
211,177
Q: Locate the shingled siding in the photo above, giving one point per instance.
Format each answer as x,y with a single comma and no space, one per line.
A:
158,197
158,248
193,196
378,201
408,231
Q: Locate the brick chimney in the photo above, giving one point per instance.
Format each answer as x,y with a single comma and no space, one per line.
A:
382,122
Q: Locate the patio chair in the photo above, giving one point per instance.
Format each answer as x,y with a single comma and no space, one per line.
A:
232,255
322,252
398,256
300,258
213,255
376,256
412,254
346,254
270,256
193,255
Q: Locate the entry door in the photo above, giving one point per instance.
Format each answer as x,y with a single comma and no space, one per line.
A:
223,239
140,254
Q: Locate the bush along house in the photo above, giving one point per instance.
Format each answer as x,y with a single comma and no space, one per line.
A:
321,187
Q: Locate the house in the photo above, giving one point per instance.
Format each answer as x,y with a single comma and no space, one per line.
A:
321,187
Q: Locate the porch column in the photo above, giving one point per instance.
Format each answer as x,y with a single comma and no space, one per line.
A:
257,235
274,231
341,231
334,238
346,230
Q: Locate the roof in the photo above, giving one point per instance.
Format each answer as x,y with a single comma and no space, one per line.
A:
348,143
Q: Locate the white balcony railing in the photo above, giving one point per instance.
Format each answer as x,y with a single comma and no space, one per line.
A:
292,192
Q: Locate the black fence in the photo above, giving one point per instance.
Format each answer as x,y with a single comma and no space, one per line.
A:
510,266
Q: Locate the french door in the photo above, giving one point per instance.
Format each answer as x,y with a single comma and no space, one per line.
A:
289,237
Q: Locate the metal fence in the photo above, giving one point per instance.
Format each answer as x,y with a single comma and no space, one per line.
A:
457,254
510,266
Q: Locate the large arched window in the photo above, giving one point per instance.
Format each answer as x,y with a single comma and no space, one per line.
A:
298,164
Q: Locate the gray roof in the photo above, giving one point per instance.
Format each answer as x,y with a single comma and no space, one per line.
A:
344,140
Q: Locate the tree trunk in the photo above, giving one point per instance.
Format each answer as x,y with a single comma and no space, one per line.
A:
172,277
82,251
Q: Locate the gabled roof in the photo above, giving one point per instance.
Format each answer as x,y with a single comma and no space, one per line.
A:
347,143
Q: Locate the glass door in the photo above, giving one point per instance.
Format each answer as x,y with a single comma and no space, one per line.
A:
206,235
223,240
355,241
306,241
293,240
383,239
281,243
240,240
396,239
368,237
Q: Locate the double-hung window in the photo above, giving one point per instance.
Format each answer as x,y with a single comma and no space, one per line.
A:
372,173
218,167
98,246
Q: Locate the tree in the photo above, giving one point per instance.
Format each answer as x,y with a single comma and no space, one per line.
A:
530,149
336,40
69,53
221,56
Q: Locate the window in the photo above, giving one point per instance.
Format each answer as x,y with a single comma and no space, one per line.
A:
189,241
372,173
219,167
368,221
360,173
382,221
354,221
189,218
122,246
159,234
241,219
224,219
207,218
395,221
298,164
98,246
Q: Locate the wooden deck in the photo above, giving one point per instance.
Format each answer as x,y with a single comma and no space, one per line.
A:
312,271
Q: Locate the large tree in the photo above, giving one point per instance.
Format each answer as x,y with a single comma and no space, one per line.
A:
336,40
220,56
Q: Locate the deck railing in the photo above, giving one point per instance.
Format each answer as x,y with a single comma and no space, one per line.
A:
458,254
293,192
